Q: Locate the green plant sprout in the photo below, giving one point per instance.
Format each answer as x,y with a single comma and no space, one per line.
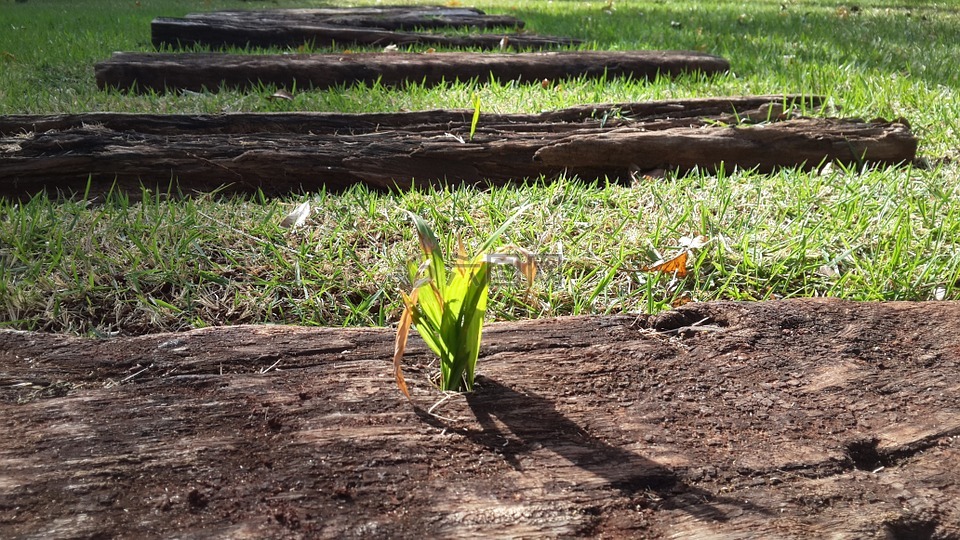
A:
476,115
448,308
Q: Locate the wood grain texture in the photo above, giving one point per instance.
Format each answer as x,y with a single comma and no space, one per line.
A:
650,113
794,419
184,33
198,71
386,17
295,152
377,26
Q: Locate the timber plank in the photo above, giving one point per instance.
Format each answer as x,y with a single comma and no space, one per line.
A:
794,419
351,26
648,114
284,153
186,33
385,17
209,71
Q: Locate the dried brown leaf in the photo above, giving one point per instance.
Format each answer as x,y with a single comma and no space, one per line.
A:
403,332
676,265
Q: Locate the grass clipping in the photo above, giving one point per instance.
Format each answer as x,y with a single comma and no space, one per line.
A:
448,307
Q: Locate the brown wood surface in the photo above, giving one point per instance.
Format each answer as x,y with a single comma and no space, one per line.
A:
199,71
805,143
648,114
385,17
796,419
283,153
344,26
188,32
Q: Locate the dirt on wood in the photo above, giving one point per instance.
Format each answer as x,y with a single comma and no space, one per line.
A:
791,419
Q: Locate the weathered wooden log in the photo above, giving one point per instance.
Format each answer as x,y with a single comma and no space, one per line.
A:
385,17
650,114
336,155
199,71
795,419
805,143
186,33
328,27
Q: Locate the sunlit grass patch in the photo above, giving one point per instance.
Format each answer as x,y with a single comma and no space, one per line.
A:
151,263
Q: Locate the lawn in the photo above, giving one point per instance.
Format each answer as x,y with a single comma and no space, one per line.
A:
151,262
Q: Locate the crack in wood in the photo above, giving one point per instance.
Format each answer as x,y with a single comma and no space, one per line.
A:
766,429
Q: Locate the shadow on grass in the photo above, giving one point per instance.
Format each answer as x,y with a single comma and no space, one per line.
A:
920,40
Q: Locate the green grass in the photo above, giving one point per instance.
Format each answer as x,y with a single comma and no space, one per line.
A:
131,266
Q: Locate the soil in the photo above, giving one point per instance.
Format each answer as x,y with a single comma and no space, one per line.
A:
790,419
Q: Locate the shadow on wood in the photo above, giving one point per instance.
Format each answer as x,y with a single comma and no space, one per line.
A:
793,419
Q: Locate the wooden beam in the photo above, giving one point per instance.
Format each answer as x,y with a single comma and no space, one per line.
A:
377,26
794,419
805,143
569,118
384,17
187,33
283,153
209,71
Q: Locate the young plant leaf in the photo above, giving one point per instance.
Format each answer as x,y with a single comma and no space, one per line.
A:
476,115
472,313
448,308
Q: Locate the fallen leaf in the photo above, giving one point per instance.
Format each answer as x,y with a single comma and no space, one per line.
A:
403,332
647,174
829,271
528,267
281,94
693,242
676,265
297,217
